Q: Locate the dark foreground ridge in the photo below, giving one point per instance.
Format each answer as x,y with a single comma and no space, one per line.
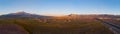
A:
114,27
12,29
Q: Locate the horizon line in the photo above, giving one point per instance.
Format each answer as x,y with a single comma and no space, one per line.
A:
65,14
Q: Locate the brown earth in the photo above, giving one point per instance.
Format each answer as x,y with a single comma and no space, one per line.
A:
12,29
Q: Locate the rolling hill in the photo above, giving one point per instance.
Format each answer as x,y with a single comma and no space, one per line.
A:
69,24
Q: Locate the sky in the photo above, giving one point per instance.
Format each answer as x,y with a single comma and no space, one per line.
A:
60,7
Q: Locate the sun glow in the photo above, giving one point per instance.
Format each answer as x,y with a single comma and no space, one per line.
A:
55,14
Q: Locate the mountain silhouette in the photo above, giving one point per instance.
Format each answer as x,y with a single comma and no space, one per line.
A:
24,14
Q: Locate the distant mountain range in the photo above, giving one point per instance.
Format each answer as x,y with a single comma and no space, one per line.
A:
92,16
24,14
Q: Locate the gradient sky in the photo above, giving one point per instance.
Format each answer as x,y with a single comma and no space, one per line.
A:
61,7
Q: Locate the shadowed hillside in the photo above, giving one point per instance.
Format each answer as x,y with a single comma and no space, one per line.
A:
12,29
